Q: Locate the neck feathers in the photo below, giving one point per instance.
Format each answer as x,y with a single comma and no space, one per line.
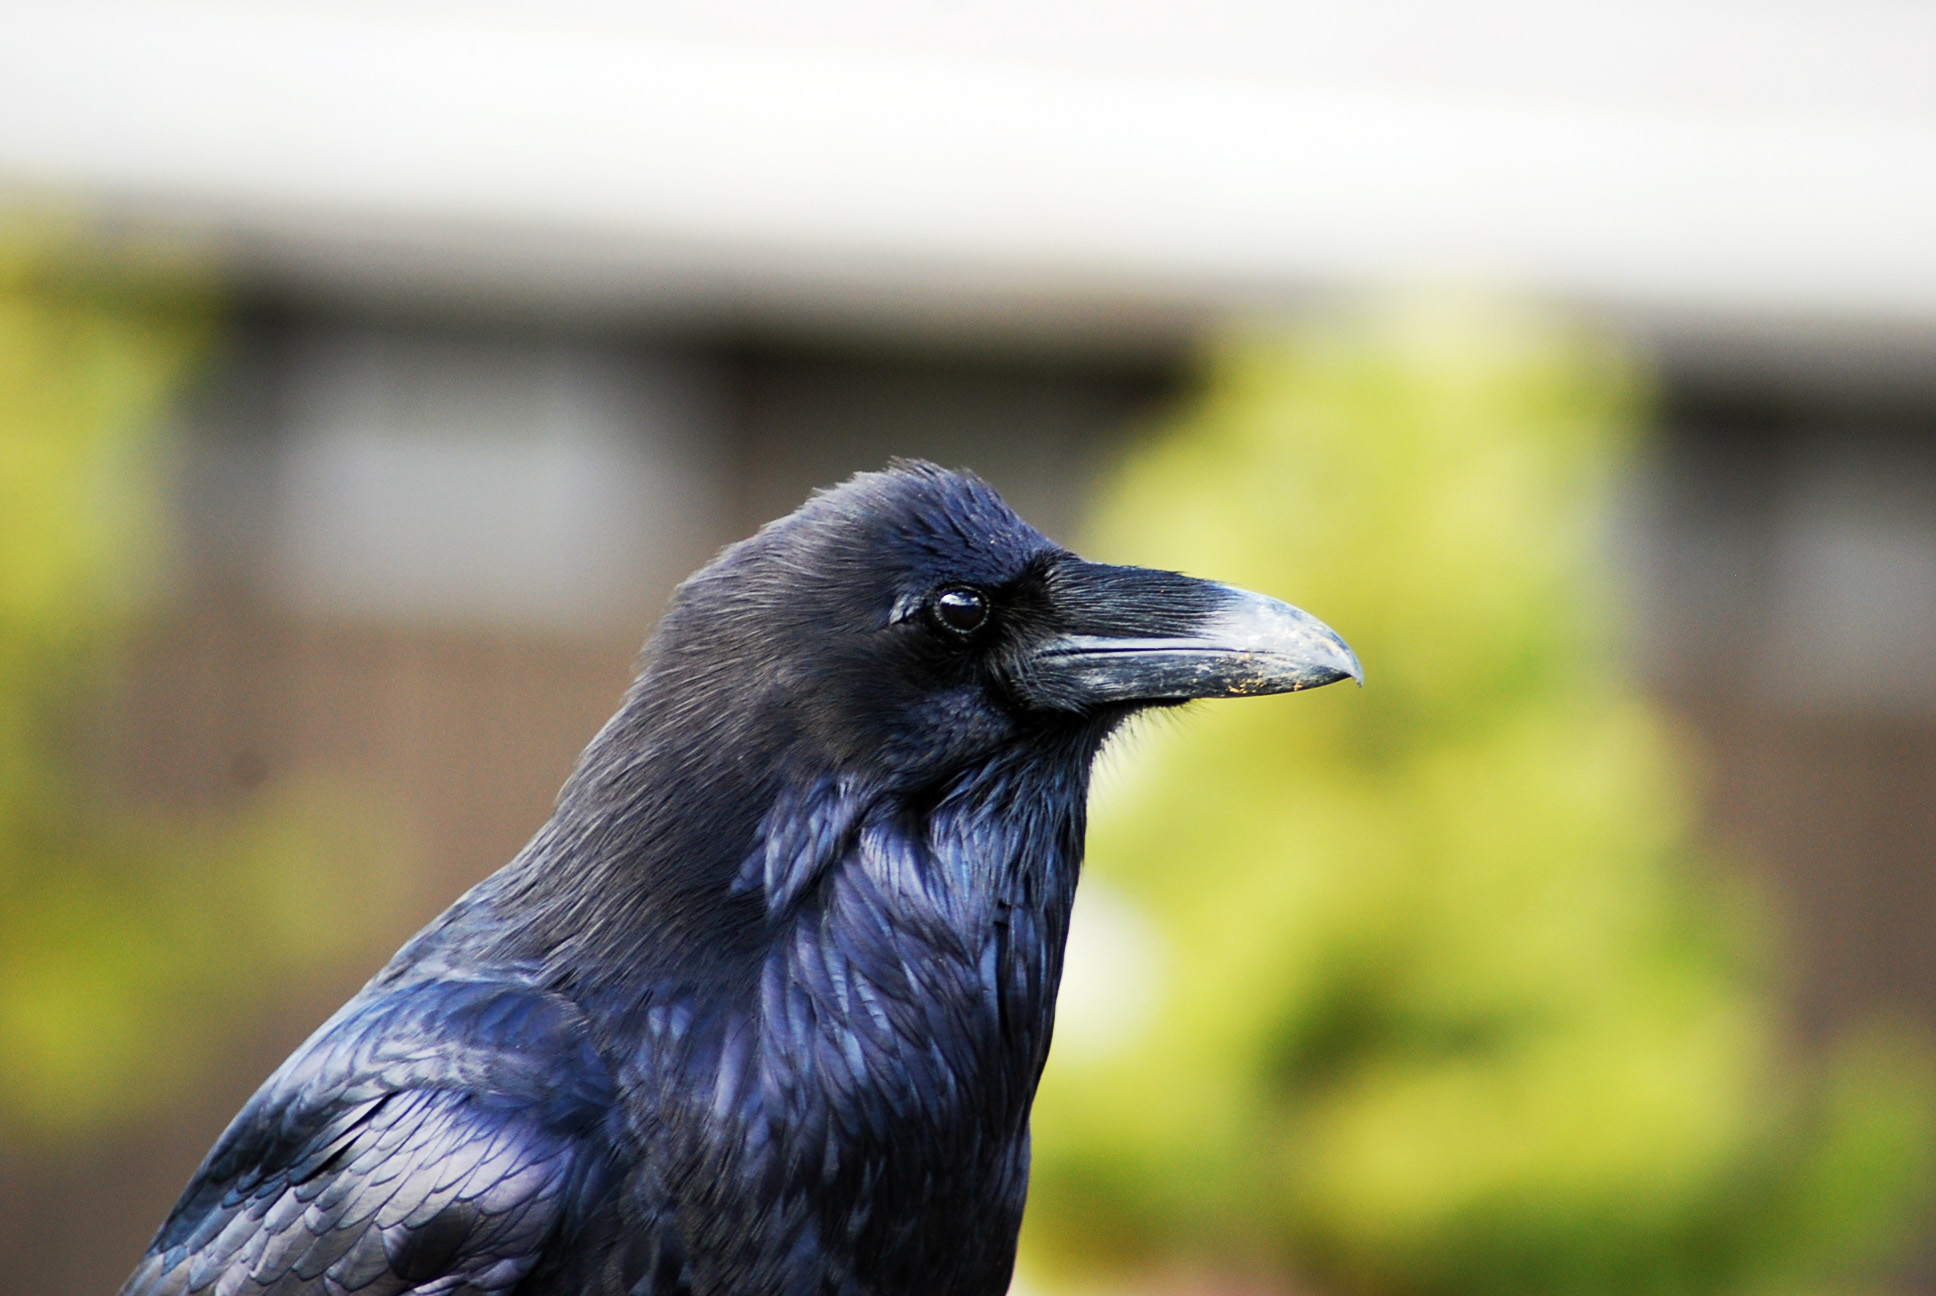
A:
920,952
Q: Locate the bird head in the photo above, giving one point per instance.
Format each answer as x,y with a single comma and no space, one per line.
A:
900,643
907,621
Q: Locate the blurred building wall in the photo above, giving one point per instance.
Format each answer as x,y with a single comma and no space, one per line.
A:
1786,562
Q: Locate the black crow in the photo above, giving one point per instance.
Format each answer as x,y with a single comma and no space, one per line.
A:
761,1009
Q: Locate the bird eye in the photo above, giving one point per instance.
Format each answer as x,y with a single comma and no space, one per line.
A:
961,609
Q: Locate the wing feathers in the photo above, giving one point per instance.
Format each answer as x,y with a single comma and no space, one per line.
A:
424,1143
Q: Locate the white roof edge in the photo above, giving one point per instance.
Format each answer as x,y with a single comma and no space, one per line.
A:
351,146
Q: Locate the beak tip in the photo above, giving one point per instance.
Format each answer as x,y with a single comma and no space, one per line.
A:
1328,656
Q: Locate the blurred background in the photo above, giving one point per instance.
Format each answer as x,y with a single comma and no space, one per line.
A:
369,374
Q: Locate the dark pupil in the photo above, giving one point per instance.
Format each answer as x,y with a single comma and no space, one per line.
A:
961,609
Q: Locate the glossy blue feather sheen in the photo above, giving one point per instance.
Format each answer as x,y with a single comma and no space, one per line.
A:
762,1008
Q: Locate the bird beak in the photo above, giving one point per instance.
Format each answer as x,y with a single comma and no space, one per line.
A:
1129,634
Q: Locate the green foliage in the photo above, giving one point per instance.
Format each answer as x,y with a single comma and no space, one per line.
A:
128,939
1448,1000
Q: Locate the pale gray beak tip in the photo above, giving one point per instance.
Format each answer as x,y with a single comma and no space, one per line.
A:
1290,649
